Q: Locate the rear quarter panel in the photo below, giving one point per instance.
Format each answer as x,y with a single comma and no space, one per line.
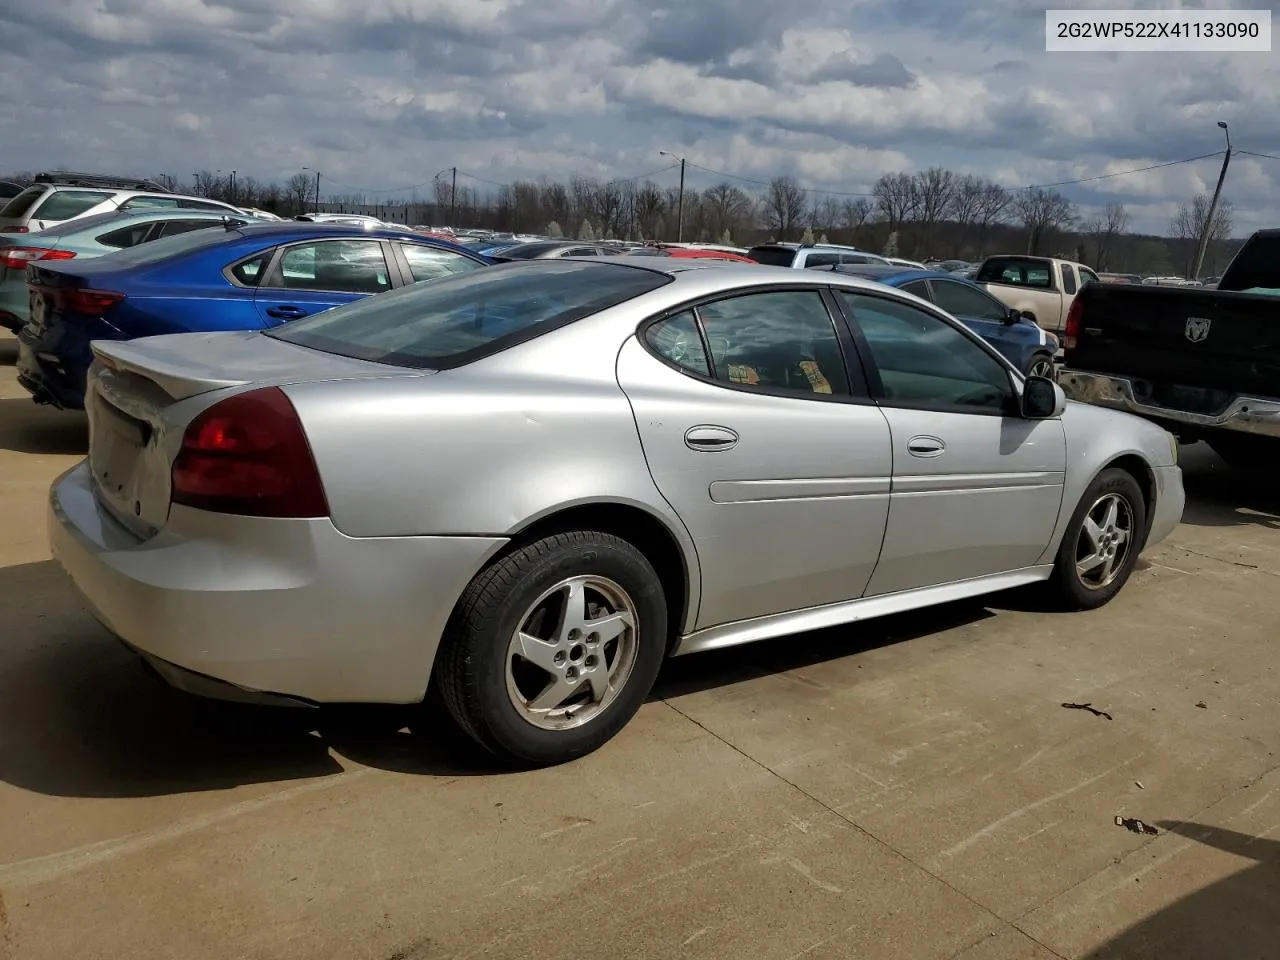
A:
186,295
489,448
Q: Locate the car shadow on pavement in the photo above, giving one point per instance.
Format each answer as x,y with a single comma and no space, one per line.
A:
1222,496
721,668
8,350
27,427
1235,916
80,716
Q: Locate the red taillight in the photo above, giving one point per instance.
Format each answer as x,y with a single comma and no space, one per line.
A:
17,258
248,455
1074,317
91,302
15,229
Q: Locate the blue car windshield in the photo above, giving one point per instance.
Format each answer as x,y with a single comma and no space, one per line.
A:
451,321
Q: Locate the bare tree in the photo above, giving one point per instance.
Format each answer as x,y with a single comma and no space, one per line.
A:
1042,211
168,181
994,207
824,214
854,215
784,203
965,209
648,205
933,190
206,183
1103,228
1189,222
725,207
607,207
895,198
299,192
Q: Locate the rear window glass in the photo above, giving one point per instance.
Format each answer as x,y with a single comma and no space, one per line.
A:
80,225
456,319
19,205
1257,265
1016,272
772,256
65,204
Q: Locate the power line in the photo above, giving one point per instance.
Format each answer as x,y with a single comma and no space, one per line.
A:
1120,173
1254,153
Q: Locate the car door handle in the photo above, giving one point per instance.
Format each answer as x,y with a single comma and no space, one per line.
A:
925,447
710,439
286,312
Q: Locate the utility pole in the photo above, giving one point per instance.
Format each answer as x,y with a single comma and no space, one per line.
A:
680,200
317,191
1213,207
233,187
453,200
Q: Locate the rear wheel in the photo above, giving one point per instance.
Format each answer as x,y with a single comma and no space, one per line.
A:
553,648
1245,451
1101,544
1041,365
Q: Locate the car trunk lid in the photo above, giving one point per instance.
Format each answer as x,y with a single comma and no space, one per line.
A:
141,395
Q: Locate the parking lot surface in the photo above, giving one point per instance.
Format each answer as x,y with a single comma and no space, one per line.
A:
911,787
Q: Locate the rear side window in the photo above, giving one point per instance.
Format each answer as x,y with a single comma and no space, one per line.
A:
1068,278
1017,272
772,256
461,318
129,236
65,204
171,228
919,287
249,272
19,205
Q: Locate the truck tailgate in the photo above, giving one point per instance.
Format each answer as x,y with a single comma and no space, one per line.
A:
1219,344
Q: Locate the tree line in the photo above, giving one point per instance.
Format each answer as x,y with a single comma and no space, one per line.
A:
932,213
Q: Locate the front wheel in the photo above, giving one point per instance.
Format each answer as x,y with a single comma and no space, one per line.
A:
1101,543
1041,365
554,647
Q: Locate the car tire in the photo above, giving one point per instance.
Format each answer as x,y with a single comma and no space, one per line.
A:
1246,452
1082,578
1041,365
511,648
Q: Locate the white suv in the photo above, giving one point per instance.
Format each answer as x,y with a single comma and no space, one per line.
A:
801,256
56,197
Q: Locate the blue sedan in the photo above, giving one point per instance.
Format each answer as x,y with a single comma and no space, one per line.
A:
1018,338
248,277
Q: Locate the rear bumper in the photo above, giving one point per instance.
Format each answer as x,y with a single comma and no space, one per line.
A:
289,608
1256,415
49,373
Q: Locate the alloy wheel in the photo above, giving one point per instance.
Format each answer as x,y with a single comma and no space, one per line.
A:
572,652
1104,542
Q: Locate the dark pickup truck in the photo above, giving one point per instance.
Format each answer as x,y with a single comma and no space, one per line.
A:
1204,364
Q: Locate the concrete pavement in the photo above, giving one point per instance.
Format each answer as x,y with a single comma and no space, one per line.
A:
909,788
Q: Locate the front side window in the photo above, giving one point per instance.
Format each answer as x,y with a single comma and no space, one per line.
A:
775,341
1068,279
962,300
430,263
460,318
65,204
926,363
677,339
340,266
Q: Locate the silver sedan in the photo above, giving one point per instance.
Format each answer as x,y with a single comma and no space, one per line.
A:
532,483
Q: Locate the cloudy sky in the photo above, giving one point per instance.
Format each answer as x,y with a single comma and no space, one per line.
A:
382,94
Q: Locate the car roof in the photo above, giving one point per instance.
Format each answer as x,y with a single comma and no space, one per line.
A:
115,219
699,271
891,273
816,246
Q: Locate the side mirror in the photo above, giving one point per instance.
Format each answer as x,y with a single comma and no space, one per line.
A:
1012,317
1042,399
